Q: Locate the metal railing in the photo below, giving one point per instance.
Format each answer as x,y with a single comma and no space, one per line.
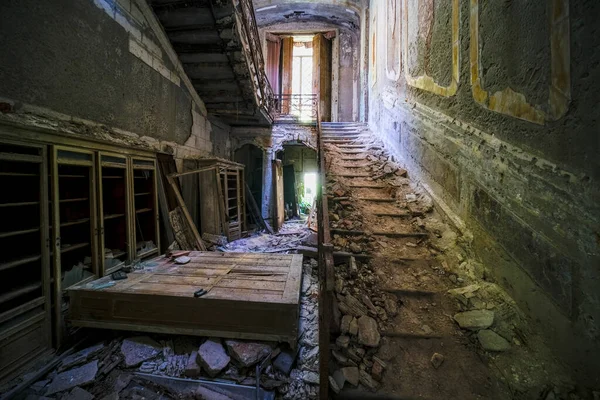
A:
248,32
303,107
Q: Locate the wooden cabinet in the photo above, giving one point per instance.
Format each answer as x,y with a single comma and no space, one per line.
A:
145,208
114,211
71,211
25,315
222,198
74,224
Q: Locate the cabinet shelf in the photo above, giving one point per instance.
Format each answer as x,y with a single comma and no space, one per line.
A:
147,253
73,247
18,204
143,194
73,200
21,232
113,216
17,174
19,261
112,177
22,309
143,210
119,254
71,176
13,294
77,222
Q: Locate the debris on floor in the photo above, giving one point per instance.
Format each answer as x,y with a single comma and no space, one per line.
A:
412,311
111,369
294,233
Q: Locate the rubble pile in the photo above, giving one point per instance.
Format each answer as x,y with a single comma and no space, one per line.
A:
365,312
294,233
110,369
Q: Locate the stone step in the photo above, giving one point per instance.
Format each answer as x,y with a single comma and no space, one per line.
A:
352,175
348,232
377,199
359,186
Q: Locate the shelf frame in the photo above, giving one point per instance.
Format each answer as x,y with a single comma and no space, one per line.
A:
154,195
57,161
43,318
126,167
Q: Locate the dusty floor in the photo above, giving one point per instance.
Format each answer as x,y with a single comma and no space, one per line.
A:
419,271
128,365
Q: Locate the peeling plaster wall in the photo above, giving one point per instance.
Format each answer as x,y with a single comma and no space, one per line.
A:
104,63
495,108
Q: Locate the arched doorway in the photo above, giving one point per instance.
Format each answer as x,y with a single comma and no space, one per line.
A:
252,157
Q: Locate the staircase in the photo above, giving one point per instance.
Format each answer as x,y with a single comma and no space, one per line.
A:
341,133
218,44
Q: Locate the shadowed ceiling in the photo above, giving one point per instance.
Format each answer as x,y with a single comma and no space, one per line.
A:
340,13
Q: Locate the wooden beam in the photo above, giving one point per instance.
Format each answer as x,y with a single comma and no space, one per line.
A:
186,213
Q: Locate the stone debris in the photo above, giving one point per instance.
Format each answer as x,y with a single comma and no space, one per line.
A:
247,353
351,375
139,349
491,341
80,357
105,370
437,360
78,394
192,368
368,333
212,357
367,380
475,320
79,376
284,361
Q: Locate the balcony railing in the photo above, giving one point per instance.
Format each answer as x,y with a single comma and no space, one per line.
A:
248,30
298,107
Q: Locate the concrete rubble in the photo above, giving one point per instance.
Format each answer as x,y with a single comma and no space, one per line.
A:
106,369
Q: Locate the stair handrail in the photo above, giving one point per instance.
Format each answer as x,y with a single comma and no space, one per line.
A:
244,9
326,263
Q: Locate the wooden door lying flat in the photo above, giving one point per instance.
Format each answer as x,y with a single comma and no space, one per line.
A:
250,296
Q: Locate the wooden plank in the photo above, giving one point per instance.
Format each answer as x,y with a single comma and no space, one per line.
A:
178,279
221,201
188,218
235,284
162,289
292,286
196,171
268,296
21,157
247,302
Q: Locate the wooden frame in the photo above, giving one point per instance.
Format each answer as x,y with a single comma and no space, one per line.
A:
224,171
24,340
56,223
101,217
34,336
145,167
249,296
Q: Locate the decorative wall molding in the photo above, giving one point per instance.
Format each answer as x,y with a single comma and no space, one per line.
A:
515,104
426,82
393,37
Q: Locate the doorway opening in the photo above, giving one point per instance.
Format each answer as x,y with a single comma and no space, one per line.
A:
299,179
309,192
252,157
